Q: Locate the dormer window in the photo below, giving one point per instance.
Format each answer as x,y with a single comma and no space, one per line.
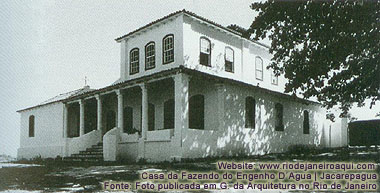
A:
229,59
259,68
168,49
150,56
205,52
134,61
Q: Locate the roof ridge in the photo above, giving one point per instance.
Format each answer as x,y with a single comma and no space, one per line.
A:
193,15
149,24
60,97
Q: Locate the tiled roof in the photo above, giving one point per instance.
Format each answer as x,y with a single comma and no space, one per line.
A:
188,71
61,97
149,24
122,84
195,16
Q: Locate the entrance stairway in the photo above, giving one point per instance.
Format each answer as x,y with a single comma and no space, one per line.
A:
92,154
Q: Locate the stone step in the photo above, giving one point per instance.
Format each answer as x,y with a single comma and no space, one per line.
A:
78,159
97,146
86,156
95,149
92,152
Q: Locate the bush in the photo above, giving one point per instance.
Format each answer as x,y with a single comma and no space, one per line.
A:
36,159
302,149
142,161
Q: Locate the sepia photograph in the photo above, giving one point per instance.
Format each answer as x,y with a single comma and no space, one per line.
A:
190,95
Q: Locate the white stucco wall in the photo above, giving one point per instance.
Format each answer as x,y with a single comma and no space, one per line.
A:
48,132
217,139
335,134
77,144
231,138
193,31
234,139
245,53
187,32
129,151
155,33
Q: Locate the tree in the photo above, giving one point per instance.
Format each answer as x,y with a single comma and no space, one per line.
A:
326,49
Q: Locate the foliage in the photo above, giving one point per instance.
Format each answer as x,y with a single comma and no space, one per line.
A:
237,28
326,49
303,150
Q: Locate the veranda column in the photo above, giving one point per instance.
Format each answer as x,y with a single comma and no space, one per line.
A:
120,115
144,108
81,117
66,121
65,129
181,98
99,113
220,108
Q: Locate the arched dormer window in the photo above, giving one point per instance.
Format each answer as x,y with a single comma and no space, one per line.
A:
229,59
150,56
168,49
259,68
134,61
205,52
31,125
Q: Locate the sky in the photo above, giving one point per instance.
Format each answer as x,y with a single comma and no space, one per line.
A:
49,47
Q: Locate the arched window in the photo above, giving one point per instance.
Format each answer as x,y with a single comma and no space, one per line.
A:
250,112
229,59
259,68
279,112
151,117
169,114
196,112
150,56
128,120
306,122
168,49
205,52
134,62
31,126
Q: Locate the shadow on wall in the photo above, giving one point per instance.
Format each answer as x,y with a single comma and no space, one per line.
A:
233,139
217,67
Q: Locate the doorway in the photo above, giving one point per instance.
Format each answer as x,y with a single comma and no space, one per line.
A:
110,120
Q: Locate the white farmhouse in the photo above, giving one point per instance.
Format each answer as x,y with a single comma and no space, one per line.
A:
188,88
